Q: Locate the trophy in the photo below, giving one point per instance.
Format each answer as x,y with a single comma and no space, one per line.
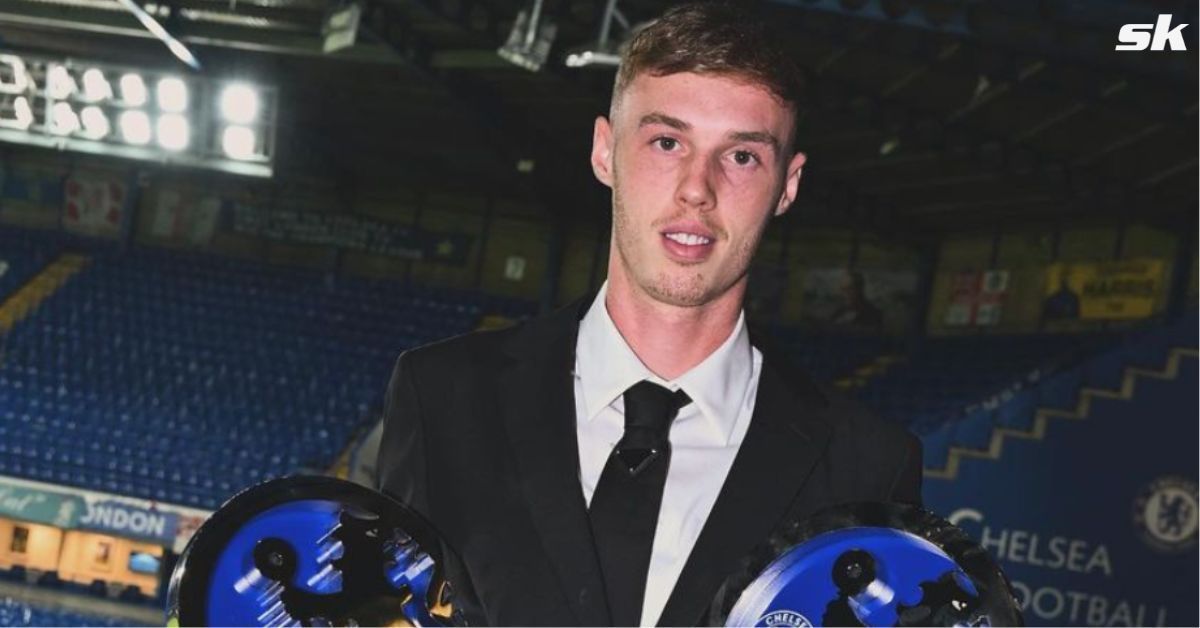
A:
311,551
867,564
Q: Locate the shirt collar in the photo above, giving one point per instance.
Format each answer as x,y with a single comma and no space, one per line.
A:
607,367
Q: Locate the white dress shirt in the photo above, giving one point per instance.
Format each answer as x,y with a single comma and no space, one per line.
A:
705,436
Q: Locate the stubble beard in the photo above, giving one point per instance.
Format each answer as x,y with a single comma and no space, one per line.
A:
670,283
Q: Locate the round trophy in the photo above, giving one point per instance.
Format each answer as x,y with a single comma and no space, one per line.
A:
311,551
868,564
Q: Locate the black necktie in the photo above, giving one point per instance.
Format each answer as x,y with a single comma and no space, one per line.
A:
624,508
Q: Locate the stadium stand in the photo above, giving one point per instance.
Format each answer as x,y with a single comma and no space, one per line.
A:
945,377
186,378
15,612
1106,369
941,379
22,257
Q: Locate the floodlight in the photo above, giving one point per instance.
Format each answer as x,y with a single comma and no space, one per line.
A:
63,119
59,82
95,123
133,90
172,94
95,86
239,103
593,56
19,80
238,142
22,113
135,127
173,131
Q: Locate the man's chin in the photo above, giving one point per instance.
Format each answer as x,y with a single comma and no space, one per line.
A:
679,295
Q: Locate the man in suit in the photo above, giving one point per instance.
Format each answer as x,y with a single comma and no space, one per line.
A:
613,462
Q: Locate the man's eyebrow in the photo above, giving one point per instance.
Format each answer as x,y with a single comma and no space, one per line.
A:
662,118
757,137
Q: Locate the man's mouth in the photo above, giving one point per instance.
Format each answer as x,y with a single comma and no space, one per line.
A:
688,239
688,248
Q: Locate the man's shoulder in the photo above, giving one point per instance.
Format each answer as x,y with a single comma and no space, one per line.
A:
853,425
853,420
881,458
485,348
462,351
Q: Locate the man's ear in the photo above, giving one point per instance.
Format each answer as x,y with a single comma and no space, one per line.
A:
791,183
602,151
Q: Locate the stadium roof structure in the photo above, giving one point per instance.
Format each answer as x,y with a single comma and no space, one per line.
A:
922,114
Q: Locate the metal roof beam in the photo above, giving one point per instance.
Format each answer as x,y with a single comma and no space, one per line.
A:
1002,25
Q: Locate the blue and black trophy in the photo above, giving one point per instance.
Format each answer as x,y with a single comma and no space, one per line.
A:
868,564
315,551
311,551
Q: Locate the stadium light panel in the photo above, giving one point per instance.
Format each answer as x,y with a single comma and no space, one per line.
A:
226,124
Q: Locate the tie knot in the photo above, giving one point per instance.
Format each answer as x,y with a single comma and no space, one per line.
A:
652,407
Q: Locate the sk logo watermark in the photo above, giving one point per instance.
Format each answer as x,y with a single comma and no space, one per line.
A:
1157,36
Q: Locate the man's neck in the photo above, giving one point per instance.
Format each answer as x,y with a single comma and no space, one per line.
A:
670,340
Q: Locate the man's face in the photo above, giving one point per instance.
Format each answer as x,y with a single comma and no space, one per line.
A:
698,164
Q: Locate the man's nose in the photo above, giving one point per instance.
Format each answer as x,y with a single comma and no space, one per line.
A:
696,185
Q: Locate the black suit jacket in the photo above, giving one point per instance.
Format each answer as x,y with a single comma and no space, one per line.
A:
480,438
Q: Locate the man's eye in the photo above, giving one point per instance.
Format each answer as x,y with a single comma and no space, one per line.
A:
744,158
667,143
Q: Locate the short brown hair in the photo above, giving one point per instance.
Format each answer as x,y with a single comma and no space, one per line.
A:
720,38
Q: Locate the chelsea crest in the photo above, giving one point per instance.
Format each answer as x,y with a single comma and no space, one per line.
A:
1166,514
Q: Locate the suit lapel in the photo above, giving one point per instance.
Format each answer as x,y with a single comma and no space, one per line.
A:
786,437
537,394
